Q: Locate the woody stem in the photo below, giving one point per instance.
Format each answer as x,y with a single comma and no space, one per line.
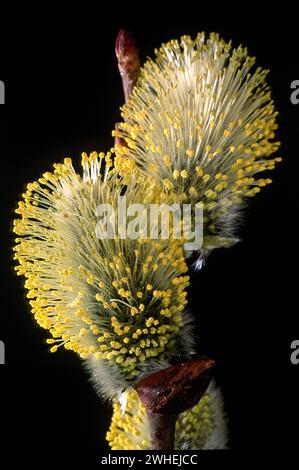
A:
162,431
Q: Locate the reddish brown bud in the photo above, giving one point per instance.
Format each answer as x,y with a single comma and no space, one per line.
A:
128,60
175,389
168,392
125,46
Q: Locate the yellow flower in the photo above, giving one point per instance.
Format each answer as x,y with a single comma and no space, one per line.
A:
211,114
86,290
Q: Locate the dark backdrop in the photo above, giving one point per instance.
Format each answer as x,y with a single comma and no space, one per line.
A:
63,93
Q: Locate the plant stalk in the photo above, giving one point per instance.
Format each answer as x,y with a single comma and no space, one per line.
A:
162,431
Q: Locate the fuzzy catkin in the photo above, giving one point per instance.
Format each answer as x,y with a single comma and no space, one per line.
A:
202,122
118,302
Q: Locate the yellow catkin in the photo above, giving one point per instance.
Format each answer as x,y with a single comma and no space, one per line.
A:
211,123
88,292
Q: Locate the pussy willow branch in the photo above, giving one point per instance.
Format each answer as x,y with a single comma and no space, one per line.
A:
166,393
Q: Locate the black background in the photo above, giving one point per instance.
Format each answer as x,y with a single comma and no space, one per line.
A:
63,94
